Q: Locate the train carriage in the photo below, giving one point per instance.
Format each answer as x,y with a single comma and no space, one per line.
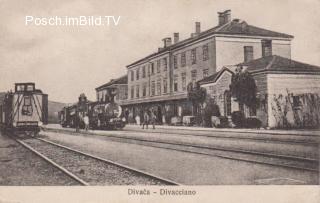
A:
25,110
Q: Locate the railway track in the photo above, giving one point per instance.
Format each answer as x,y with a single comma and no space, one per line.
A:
286,161
88,169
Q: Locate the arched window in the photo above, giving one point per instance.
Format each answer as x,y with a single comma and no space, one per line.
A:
227,103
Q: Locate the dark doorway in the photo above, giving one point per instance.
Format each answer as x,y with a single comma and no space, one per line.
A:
159,116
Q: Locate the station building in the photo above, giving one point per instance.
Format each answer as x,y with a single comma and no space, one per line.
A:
287,91
119,85
159,80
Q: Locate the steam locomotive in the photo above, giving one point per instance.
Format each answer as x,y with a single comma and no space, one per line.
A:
23,111
102,115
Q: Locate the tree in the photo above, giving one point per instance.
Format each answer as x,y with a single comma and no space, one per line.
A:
210,109
243,88
196,95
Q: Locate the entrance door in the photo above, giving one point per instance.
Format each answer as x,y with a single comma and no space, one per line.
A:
159,117
227,103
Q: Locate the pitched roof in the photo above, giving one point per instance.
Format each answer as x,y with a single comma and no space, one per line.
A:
213,78
271,63
239,27
120,80
234,27
278,63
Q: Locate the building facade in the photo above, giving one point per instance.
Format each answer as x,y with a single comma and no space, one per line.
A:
288,92
118,85
159,81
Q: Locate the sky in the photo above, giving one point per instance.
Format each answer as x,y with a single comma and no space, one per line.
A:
65,61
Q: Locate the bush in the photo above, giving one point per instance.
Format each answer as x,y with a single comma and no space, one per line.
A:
252,123
224,122
238,118
215,121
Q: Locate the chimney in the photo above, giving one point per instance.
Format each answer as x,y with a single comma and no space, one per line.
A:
166,42
224,17
175,37
198,30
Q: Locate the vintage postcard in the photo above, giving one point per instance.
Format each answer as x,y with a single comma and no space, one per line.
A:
159,101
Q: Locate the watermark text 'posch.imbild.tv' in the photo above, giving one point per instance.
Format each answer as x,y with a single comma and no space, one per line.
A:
72,21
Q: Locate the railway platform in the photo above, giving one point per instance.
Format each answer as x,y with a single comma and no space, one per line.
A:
236,130
310,132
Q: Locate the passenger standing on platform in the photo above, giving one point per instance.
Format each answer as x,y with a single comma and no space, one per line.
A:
146,119
153,119
86,122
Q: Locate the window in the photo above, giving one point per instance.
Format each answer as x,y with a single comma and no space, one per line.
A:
132,75
132,92
27,107
125,93
153,88
165,64
205,73
184,81
252,111
296,102
175,62
194,76
165,85
137,91
99,96
143,71
137,74
159,86
193,56
20,88
27,101
248,53
30,87
175,83
205,52
158,66
183,59
144,90
266,48
152,68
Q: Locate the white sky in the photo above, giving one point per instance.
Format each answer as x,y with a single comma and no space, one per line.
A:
66,61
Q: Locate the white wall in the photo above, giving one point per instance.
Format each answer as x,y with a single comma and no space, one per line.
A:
281,48
295,83
230,50
292,83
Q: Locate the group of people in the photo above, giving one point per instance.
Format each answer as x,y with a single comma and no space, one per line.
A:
149,117
84,119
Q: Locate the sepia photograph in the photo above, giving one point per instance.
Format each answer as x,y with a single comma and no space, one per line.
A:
181,100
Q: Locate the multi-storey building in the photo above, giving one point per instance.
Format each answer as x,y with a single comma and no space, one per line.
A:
119,85
159,80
